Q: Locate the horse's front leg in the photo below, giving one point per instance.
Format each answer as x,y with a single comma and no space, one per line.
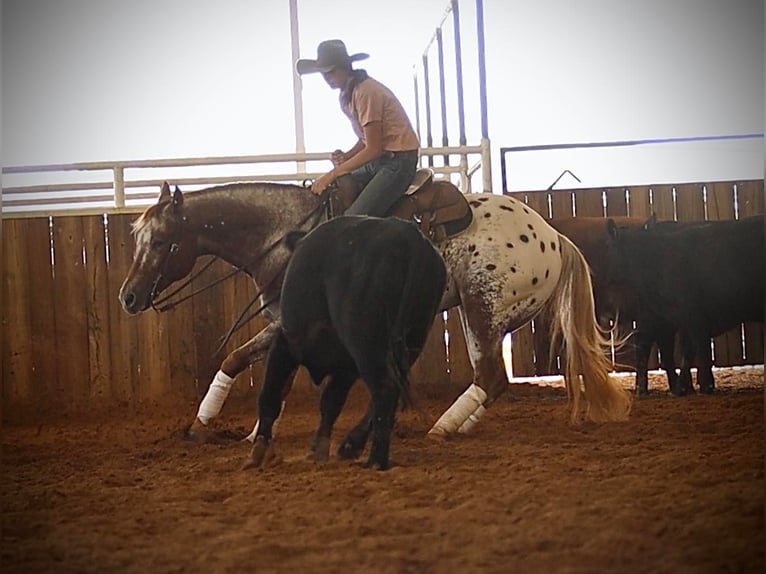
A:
236,362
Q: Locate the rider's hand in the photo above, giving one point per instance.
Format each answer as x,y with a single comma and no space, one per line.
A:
321,184
337,157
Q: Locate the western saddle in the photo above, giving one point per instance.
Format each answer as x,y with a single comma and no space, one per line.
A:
437,206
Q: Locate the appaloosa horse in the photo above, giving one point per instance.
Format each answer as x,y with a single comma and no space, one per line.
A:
503,269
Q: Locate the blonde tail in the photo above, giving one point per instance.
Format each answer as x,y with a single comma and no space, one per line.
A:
587,348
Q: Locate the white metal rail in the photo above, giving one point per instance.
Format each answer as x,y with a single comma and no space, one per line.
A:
127,187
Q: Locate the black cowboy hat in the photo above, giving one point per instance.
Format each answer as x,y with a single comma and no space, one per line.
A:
330,54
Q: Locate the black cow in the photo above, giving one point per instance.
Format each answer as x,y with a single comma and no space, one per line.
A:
619,302
702,278
358,300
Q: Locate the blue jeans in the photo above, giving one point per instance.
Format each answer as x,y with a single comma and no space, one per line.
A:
383,181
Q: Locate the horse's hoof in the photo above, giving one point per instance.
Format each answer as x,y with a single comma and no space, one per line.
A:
348,451
377,465
438,434
262,454
202,434
320,450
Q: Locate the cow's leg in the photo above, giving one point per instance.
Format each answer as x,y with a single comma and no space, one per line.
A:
705,380
355,441
684,382
643,339
666,338
280,369
331,403
385,398
236,362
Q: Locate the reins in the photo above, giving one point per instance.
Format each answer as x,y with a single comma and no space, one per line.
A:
161,304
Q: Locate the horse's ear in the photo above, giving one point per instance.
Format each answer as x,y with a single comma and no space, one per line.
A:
178,197
611,229
164,192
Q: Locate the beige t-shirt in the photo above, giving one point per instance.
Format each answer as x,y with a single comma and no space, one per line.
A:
372,101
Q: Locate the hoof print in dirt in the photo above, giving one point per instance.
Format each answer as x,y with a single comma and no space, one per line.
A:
213,436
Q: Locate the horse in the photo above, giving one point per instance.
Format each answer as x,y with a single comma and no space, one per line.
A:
503,269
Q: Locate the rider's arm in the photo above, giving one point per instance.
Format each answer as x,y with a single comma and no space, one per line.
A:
365,150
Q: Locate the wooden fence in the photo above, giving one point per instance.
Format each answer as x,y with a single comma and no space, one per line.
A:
69,347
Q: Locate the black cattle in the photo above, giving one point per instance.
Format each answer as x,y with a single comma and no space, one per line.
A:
618,302
703,278
359,297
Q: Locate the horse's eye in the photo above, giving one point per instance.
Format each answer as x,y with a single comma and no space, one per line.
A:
158,243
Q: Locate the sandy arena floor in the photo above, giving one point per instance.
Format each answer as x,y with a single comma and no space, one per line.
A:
679,488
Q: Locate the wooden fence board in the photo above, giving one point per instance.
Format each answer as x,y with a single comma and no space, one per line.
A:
123,334
589,202
750,196
460,369
17,348
690,202
720,201
639,202
42,315
616,202
72,353
209,326
663,204
727,347
562,203
430,369
97,294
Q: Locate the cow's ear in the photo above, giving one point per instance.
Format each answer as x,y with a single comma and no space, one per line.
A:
611,229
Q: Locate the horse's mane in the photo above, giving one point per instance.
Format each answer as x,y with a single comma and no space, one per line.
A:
208,192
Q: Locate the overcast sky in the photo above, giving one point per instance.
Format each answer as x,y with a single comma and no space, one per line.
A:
92,80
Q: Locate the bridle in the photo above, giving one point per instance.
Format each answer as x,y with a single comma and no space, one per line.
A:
164,303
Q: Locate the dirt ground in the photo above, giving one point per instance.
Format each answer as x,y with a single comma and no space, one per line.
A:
678,488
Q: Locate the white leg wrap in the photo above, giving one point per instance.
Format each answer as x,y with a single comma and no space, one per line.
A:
471,421
215,397
466,405
251,436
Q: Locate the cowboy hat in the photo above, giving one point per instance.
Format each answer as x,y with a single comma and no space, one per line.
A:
330,54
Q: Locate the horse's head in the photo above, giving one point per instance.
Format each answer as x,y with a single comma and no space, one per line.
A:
165,252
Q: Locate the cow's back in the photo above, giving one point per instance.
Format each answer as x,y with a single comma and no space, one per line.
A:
354,285
704,274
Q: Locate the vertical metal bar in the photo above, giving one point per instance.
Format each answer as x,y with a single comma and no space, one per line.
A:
486,165
119,185
482,68
429,135
417,102
300,144
442,92
459,71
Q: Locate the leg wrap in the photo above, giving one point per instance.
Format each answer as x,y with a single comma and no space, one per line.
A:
215,397
468,404
472,419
